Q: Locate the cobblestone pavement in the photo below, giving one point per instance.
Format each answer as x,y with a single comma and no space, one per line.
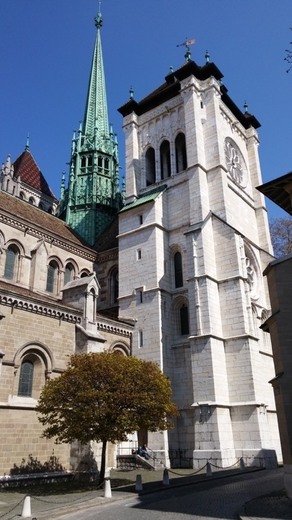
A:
226,495
211,499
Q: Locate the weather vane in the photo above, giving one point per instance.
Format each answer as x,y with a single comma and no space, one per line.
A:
187,44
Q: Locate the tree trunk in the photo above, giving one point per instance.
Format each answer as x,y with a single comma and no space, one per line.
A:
102,466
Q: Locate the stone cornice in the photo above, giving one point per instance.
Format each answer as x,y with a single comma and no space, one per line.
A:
112,327
49,310
107,256
39,233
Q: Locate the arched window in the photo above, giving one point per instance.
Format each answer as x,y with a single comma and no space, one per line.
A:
22,195
31,201
35,362
150,166
69,273
91,305
184,320
114,286
84,274
165,160
120,349
106,165
83,162
178,271
100,164
25,379
180,153
11,262
52,277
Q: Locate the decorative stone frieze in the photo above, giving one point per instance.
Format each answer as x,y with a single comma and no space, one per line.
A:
45,310
114,329
40,234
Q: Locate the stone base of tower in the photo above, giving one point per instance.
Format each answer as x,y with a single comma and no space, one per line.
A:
158,446
229,458
218,458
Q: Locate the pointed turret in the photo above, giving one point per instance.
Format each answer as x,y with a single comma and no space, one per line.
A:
24,179
96,115
92,198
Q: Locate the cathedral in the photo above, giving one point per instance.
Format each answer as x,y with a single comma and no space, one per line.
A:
168,269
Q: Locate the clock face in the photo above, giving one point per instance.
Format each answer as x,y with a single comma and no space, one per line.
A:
235,163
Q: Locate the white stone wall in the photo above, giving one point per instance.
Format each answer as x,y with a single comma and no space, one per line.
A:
220,372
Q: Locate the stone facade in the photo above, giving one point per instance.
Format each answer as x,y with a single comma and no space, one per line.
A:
43,325
193,242
58,281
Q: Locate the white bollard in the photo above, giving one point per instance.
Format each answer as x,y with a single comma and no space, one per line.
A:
165,481
209,470
139,485
107,488
26,509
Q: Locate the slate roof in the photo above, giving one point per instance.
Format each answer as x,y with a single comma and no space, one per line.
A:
35,217
149,196
171,88
27,169
278,190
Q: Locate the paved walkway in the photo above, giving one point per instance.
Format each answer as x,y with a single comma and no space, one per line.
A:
275,506
50,507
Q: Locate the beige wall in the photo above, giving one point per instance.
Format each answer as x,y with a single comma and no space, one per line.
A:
51,342
20,436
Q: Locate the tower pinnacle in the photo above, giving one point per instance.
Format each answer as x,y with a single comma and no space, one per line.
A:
27,143
98,19
92,198
96,114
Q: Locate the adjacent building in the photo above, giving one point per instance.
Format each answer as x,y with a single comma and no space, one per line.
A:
279,277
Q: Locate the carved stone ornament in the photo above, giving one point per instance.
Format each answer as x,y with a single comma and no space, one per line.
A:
235,163
252,278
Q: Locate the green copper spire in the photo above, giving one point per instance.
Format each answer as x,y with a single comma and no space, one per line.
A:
92,198
96,115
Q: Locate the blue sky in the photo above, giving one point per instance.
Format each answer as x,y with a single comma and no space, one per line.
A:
45,56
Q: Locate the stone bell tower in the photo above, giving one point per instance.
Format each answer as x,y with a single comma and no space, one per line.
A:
193,243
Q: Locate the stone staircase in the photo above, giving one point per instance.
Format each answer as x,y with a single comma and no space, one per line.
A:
128,462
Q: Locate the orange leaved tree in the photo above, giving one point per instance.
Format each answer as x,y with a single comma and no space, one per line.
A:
103,397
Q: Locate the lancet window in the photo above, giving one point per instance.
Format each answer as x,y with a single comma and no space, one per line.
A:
165,166
180,152
150,166
69,273
178,270
11,262
184,320
52,277
25,379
